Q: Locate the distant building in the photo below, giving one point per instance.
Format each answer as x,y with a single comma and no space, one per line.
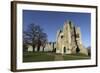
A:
50,46
30,48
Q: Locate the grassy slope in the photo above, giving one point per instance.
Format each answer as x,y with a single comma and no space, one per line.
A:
45,56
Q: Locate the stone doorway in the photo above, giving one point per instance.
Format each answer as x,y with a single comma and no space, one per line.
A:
64,50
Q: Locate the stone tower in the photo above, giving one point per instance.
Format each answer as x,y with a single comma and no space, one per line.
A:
68,40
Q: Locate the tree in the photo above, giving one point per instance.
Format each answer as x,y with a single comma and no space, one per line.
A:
29,35
35,36
24,45
43,40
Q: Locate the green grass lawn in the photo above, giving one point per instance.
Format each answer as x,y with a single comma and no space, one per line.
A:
75,57
49,56
37,56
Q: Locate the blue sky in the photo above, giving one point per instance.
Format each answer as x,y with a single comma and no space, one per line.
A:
51,21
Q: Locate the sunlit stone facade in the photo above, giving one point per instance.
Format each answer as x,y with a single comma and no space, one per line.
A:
68,40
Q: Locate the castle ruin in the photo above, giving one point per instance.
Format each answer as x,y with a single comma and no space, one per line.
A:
68,41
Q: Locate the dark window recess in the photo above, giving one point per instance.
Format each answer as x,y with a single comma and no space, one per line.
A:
64,49
62,37
77,35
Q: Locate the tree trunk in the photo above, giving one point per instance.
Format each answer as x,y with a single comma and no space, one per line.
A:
43,49
33,48
38,48
39,44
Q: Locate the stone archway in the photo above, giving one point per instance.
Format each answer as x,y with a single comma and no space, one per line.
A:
64,50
